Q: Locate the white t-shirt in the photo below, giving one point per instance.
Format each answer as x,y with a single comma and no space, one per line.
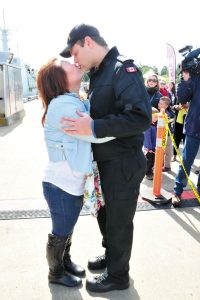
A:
60,174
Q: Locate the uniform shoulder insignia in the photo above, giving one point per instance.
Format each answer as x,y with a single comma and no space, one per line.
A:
123,58
131,69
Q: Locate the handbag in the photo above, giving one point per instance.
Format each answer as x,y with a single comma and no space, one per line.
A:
93,197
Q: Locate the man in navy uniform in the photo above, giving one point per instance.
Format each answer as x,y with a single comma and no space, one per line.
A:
119,107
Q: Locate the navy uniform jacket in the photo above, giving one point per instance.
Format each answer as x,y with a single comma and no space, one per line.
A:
189,91
120,106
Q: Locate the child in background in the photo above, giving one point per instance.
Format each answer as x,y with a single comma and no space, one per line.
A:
164,103
150,144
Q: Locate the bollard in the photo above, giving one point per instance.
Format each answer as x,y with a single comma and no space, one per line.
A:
156,194
159,154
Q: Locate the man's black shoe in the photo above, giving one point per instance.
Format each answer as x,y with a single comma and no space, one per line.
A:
97,263
102,284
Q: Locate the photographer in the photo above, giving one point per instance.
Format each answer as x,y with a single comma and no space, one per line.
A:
189,91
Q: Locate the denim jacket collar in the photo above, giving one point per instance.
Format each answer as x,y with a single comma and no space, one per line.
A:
72,94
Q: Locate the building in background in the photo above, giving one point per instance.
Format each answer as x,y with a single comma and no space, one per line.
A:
17,82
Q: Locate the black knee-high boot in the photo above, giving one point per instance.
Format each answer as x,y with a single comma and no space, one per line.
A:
54,254
69,266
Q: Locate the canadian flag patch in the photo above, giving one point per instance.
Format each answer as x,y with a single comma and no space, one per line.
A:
131,69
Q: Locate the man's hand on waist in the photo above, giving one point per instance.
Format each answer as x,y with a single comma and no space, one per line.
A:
82,125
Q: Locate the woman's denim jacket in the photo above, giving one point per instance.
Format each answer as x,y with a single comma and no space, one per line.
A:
61,146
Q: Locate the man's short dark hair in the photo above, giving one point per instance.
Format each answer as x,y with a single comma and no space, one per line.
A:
98,39
79,32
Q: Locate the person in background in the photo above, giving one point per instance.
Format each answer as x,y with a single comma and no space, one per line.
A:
119,107
70,162
152,87
188,91
150,144
172,93
164,103
163,88
180,114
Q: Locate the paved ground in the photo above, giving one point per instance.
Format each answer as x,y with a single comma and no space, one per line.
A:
165,259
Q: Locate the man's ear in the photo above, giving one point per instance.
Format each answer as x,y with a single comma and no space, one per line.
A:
88,41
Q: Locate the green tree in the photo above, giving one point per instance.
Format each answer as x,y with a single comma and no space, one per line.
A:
155,69
144,68
164,71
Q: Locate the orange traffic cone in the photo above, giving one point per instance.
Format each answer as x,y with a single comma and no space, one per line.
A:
158,195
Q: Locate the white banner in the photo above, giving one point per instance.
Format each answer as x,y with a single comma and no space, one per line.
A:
171,63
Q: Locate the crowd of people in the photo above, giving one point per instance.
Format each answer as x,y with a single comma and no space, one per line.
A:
177,103
115,127
163,96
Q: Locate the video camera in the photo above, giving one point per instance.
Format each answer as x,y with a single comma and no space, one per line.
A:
191,62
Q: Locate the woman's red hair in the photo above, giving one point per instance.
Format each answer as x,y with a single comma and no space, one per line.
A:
51,82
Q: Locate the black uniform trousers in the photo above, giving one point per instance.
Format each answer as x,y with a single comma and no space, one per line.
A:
120,181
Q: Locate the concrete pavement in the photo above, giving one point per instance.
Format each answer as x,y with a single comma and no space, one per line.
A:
165,258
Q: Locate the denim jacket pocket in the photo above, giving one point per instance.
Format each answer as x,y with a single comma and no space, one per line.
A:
59,151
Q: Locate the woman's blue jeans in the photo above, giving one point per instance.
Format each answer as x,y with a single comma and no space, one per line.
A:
64,208
190,150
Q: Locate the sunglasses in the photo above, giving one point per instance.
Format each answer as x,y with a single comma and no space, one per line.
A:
153,80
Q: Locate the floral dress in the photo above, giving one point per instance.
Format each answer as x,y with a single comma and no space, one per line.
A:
93,198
